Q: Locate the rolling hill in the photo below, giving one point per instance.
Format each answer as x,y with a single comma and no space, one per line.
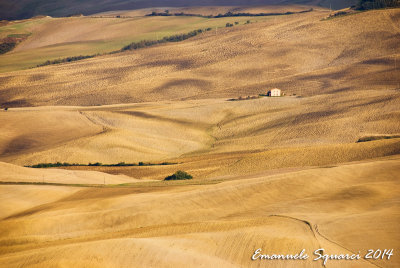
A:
315,168
54,38
301,53
22,9
221,224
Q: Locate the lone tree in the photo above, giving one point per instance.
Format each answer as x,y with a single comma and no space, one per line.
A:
179,175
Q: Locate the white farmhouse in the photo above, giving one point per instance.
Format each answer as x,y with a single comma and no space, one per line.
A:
275,92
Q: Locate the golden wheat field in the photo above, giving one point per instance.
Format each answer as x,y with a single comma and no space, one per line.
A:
317,168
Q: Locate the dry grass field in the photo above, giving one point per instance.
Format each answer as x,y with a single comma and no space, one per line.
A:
17,174
342,209
53,38
300,53
248,136
277,173
208,10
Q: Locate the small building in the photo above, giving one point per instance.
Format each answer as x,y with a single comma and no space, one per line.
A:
275,92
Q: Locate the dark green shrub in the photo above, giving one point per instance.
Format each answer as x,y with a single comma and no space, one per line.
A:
6,47
179,175
229,25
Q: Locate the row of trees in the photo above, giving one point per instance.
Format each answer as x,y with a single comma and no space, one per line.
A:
68,59
97,164
228,14
173,38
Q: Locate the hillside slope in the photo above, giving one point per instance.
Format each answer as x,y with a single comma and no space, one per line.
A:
22,9
316,168
55,38
247,136
301,53
343,209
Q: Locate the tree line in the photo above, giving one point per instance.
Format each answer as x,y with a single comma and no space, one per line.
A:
172,38
228,14
68,59
97,164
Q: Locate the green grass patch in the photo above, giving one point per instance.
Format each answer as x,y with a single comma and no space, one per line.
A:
21,27
22,35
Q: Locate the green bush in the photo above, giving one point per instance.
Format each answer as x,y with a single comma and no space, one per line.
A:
229,25
179,175
97,164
